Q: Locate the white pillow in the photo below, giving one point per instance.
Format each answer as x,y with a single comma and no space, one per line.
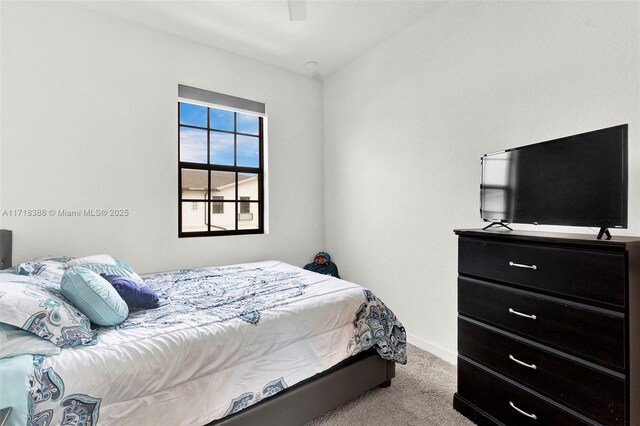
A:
96,258
14,342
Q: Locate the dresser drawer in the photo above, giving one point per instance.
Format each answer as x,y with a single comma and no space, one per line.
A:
503,400
589,333
580,274
594,393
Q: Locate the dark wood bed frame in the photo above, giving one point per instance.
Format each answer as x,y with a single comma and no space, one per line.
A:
304,401
315,396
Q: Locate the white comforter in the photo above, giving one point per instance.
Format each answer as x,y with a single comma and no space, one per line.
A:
225,339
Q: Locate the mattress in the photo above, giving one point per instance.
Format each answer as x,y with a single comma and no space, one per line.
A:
225,338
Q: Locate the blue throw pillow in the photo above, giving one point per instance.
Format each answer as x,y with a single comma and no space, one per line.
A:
134,294
93,296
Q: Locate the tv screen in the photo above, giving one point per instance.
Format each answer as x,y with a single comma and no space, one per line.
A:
578,180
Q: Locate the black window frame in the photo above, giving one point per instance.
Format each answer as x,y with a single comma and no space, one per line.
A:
259,171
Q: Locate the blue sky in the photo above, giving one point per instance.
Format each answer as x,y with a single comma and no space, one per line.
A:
193,142
248,151
196,115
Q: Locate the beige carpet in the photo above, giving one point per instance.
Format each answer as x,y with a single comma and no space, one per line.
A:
421,394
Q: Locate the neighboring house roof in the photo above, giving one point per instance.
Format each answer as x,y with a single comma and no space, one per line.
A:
197,179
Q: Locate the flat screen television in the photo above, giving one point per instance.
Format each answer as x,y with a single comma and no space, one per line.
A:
578,180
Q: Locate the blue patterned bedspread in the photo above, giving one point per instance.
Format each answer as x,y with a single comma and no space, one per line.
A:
192,300
204,296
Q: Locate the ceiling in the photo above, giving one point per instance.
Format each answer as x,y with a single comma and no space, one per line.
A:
334,33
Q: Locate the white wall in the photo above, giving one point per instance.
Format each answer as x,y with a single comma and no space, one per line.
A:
419,110
89,120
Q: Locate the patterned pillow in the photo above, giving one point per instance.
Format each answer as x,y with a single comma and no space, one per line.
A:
37,306
41,270
61,260
50,268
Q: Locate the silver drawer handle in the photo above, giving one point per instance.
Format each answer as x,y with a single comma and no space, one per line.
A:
524,413
520,314
531,366
522,265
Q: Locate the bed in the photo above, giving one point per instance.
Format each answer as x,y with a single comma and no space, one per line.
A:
258,343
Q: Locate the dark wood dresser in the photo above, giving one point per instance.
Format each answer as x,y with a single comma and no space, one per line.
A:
548,329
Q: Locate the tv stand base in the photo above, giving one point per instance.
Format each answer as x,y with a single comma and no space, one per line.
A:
604,231
492,224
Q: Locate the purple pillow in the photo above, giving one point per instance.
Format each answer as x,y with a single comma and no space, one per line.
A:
135,295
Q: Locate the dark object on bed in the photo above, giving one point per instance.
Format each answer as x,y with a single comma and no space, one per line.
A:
135,295
315,396
5,248
322,264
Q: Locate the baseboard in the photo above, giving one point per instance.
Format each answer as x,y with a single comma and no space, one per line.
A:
445,354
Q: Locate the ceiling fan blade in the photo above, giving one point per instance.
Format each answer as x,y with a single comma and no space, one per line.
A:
297,10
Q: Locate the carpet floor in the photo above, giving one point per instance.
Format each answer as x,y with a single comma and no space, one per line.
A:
421,394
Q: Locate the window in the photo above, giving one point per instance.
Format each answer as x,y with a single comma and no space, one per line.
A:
217,208
244,205
220,168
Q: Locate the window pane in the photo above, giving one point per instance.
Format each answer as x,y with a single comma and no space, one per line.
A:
194,184
247,123
221,119
223,184
248,151
194,215
193,115
244,205
248,215
221,148
224,221
193,145
217,207
248,186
